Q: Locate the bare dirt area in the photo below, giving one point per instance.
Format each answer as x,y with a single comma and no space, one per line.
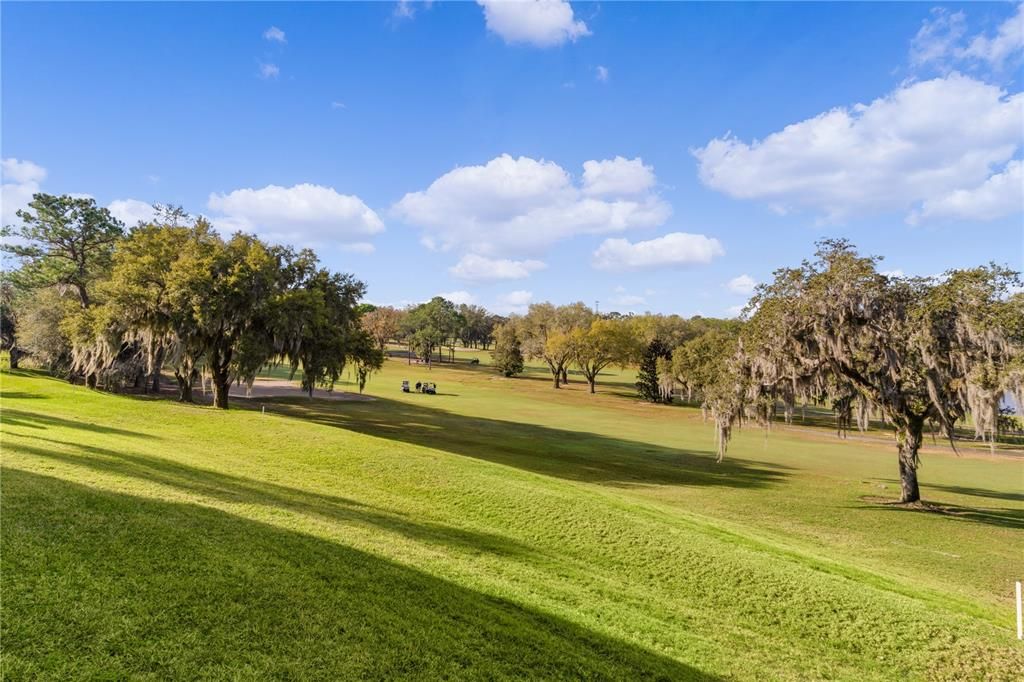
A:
281,388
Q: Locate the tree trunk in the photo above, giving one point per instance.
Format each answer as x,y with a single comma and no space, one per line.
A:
565,376
220,394
593,384
184,388
909,441
14,358
557,373
90,380
157,366
221,386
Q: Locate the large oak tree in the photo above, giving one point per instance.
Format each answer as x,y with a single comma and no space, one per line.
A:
919,350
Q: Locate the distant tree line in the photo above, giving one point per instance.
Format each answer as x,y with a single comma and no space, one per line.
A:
437,326
115,307
914,352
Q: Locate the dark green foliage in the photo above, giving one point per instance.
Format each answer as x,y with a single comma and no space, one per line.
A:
477,326
647,375
433,325
8,320
508,351
318,316
63,241
181,295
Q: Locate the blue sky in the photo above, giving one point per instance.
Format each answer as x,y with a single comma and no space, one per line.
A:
655,156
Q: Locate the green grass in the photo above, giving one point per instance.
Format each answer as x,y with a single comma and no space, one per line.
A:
499,529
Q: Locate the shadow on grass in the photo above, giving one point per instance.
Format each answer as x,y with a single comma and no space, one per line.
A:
1005,518
571,455
102,584
239,490
979,492
32,420
23,395
962,490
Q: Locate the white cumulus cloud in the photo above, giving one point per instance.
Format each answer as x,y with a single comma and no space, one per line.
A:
744,284
919,143
132,211
478,268
1008,41
21,172
938,37
274,35
735,310
942,41
601,74
21,179
1001,195
357,247
269,71
628,300
520,206
543,23
302,215
617,176
458,297
675,249
516,302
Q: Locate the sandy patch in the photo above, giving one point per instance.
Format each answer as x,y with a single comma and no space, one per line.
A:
282,388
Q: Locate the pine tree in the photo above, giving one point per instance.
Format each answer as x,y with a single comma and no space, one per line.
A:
647,376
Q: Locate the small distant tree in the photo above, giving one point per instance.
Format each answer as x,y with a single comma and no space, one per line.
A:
666,378
603,343
547,335
647,380
431,325
672,330
508,351
382,324
698,364
41,316
366,357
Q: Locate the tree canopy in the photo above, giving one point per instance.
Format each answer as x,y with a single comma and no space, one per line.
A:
918,349
508,350
62,240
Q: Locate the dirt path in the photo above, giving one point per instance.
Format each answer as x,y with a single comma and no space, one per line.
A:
282,388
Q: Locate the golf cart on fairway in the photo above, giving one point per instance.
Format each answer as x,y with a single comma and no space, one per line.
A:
430,388
405,385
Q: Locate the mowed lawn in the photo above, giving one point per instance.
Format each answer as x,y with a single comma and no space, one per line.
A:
499,529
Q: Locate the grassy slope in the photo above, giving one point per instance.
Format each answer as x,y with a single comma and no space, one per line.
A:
494,529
